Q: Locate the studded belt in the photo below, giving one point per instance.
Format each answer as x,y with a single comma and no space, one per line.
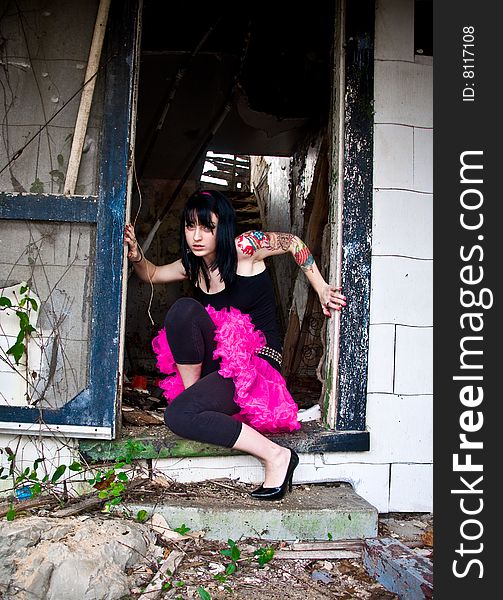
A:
270,353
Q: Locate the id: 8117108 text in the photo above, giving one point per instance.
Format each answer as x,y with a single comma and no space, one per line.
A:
468,64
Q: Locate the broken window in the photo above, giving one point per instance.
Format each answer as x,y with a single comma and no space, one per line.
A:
46,273
43,55
63,191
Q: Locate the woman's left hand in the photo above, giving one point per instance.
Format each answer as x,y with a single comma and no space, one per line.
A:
331,299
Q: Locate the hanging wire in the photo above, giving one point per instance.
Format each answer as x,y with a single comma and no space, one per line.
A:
149,307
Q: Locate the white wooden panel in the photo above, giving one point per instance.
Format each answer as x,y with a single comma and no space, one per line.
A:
401,428
403,93
423,160
411,488
393,156
414,360
394,30
381,358
28,448
243,467
12,385
401,291
402,224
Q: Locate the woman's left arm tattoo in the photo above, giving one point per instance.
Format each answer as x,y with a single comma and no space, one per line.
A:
252,241
290,242
302,255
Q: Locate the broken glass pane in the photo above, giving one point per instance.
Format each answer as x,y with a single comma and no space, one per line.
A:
51,267
44,51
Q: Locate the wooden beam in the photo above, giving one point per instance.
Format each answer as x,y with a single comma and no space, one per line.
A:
86,98
317,554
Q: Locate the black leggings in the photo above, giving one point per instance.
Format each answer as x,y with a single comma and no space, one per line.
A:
203,411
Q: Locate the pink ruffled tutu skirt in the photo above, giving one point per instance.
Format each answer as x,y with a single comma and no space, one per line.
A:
261,392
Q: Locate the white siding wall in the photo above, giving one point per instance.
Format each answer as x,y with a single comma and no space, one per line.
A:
400,400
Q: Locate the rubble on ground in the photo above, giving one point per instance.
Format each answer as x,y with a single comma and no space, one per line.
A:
103,556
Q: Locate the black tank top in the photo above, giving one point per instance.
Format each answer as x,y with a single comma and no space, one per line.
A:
253,295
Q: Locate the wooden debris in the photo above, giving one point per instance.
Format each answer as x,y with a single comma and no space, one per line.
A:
227,487
21,505
154,588
161,527
136,416
322,550
353,545
162,480
90,502
87,503
427,538
398,568
86,98
317,554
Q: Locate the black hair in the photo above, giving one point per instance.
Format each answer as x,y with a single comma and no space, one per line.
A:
199,208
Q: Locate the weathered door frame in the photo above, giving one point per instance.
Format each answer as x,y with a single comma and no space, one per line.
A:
350,218
94,412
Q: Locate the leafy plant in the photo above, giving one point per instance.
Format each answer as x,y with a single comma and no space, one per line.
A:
182,530
203,594
37,187
264,555
141,516
57,175
23,310
134,449
234,553
110,484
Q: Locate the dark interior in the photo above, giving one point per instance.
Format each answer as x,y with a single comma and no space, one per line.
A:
270,64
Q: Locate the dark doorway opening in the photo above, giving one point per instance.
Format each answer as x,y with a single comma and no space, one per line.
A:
243,96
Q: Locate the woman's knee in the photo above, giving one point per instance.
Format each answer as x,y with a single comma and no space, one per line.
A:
182,311
176,420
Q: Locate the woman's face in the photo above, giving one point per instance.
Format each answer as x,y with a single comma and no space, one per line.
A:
202,240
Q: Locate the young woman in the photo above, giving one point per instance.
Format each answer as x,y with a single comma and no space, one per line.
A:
221,348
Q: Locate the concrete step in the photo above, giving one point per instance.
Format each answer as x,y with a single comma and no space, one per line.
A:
316,512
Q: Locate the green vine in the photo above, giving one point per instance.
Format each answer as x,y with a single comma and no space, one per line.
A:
22,309
109,484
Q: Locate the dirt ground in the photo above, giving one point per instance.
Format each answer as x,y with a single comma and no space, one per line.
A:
204,572
277,580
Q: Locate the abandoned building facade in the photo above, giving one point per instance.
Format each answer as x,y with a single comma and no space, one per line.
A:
319,124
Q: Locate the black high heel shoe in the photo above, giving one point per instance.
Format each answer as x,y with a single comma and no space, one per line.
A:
276,493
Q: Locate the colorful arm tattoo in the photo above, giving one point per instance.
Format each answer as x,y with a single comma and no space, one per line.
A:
252,241
302,255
